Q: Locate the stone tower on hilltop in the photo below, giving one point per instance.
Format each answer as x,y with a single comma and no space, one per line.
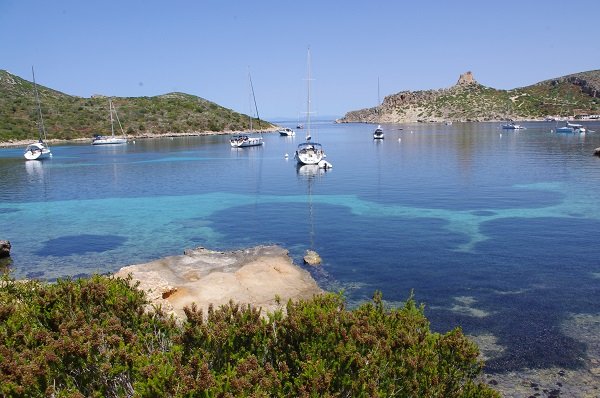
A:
466,78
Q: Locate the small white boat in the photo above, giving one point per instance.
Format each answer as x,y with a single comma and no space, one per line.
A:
287,132
38,150
512,126
111,139
309,153
243,141
378,134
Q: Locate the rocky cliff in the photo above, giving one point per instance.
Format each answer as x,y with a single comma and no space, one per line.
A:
468,100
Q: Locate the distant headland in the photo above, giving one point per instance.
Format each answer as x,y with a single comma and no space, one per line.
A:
572,96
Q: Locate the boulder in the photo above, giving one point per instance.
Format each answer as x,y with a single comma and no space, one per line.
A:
263,276
4,248
312,258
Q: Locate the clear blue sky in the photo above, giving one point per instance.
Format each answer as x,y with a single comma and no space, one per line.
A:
135,48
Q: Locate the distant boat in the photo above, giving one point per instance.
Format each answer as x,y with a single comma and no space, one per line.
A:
244,140
38,150
111,139
378,134
299,126
512,126
571,128
448,123
287,132
309,152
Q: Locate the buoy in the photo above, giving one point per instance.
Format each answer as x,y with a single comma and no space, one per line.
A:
285,156
134,141
399,139
411,131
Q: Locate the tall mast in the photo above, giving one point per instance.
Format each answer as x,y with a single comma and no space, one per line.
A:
42,130
254,98
308,99
112,123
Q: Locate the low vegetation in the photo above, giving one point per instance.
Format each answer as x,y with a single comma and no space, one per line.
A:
98,337
68,117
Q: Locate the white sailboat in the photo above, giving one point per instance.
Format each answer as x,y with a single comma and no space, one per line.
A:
38,150
244,140
310,152
378,133
111,139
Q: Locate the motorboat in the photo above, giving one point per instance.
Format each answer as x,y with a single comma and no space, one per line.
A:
512,126
378,133
287,132
571,128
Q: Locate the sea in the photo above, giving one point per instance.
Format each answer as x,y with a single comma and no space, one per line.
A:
496,231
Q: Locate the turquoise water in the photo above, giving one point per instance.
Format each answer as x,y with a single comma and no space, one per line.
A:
494,230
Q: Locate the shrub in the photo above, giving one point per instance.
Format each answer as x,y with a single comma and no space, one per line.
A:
97,337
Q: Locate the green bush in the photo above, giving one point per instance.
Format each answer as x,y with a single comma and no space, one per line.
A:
99,337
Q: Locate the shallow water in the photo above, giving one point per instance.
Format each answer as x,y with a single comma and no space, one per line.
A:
494,230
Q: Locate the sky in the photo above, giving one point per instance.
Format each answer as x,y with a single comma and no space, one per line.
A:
360,51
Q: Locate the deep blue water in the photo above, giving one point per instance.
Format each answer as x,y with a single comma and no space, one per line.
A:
496,231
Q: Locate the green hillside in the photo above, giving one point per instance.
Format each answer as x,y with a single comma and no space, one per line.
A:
567,96
68,117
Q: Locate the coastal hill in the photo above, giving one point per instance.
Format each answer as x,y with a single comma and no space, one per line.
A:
467,100
68,117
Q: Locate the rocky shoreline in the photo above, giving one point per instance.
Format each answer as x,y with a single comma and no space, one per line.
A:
264,277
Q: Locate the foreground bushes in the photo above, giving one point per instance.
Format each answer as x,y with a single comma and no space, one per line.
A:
95,337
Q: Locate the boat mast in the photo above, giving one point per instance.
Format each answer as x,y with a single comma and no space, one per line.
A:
254,98
308,137
41,129
112,123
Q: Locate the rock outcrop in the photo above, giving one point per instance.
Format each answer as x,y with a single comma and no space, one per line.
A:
254,276
4,248
312,258
466,78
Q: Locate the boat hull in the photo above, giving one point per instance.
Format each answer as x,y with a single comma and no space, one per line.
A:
309,153
287,132
109,141
37,151
245,141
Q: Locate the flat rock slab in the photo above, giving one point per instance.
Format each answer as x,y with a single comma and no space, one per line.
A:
251,276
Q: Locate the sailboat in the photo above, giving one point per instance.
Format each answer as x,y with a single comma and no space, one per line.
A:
111,139
310,152
38,150
378,133
242,141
